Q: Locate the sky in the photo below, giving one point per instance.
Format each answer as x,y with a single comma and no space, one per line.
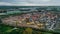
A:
30,2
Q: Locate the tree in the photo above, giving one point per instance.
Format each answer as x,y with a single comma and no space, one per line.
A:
28,31
0,21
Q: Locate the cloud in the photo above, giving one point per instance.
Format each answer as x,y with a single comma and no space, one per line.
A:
45,0
5,3
26,4
30,3
38,1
